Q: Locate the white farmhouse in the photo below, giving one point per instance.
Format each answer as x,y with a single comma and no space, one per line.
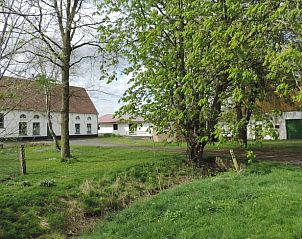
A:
288,124
23,111
124,125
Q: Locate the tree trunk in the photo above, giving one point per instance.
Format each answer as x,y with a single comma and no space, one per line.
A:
65,147
243,134
195,153
242,131
53,135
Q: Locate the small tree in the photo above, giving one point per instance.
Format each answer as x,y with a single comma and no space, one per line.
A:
47,85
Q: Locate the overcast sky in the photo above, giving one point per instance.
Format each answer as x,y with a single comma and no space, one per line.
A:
104,96
85,74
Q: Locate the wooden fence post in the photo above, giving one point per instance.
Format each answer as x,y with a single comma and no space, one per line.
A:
22,159
235,162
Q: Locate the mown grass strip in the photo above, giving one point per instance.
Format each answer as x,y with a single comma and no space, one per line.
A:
265,201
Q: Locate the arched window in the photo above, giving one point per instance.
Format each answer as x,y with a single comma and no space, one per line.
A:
88,118
36,117
22,116
78,118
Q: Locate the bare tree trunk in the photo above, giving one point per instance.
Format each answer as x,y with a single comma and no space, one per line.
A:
65,146
53,134
51,131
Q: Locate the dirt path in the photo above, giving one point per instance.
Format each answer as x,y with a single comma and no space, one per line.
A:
280,155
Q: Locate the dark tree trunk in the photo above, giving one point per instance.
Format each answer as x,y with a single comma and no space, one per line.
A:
65,146
195,153
245,117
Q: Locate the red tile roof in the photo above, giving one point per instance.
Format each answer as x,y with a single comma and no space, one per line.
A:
279,103
109,118
23,94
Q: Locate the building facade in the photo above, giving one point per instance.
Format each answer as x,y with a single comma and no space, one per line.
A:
124,126
23,111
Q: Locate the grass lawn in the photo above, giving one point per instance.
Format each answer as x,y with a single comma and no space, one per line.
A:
57,199
136,141
284,145
265,201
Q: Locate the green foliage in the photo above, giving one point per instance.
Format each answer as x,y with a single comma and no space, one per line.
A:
26,183
48,183
250,156
192,62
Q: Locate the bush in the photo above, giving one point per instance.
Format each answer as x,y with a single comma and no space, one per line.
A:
48,183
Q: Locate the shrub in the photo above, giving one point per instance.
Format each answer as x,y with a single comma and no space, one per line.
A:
48,183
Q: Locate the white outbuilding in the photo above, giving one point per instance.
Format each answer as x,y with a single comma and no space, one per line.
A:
125,126
287,122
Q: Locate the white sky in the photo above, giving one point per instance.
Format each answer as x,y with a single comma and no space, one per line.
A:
105,97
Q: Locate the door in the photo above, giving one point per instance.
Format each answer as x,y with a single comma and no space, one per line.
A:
294,129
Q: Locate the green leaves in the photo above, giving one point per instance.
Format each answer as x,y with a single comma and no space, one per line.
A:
192,61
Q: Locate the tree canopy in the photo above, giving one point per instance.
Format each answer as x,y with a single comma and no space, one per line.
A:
191,61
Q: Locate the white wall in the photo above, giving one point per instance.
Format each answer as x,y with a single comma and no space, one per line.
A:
12,119
143,129
281,121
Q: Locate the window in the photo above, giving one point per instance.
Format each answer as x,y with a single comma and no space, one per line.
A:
78,118
277,126
77,128
36,117
89,118
132,128
115,126
22,128
36,128
88,128
1,120
23,116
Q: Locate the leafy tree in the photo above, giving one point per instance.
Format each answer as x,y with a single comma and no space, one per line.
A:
192,62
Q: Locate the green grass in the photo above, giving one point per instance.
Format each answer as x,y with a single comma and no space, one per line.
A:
55,199
287,145
136,141
265,201
58,199
10,166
